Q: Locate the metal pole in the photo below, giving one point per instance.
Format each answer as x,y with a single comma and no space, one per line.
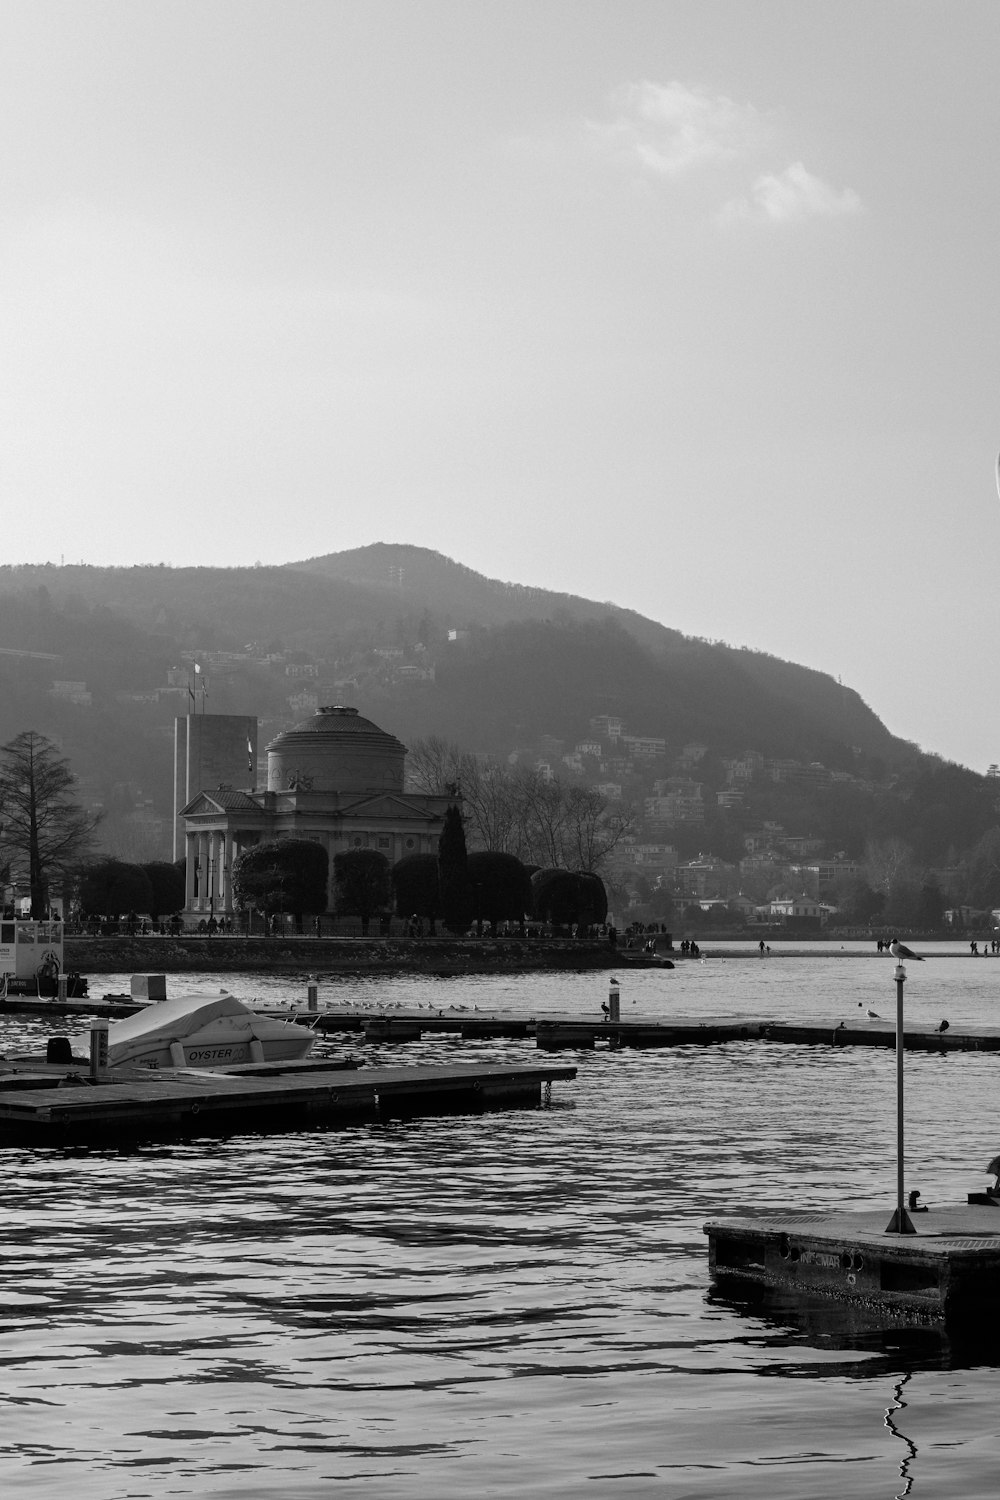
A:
98,1049
900,1223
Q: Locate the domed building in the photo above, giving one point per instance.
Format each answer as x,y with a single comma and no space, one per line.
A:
337,779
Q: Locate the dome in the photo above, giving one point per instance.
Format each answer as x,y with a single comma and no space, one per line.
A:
336,750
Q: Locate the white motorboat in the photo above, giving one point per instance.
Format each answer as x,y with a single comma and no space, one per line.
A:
204,1031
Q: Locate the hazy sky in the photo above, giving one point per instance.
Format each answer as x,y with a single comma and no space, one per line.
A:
692,305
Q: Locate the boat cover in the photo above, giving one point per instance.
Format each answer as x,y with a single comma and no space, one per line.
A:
202,1019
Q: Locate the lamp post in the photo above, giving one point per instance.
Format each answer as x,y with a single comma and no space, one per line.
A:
900,1223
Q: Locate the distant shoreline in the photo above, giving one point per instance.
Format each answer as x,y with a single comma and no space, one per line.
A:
195,953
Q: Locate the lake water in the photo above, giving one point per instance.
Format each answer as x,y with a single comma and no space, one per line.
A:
514,1304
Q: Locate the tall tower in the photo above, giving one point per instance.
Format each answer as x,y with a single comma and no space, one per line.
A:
211,750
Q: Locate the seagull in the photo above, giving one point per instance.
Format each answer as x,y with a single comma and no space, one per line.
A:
872,1015
943,1026
900,951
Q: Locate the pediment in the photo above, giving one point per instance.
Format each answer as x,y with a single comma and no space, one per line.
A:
219,804
387,805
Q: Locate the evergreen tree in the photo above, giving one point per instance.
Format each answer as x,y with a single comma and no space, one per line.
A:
40,821
167,887
362,884
453,874
415,882
112,888
287,875
501,888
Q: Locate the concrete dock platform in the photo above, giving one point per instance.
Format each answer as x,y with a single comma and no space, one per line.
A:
58,1105
948,1270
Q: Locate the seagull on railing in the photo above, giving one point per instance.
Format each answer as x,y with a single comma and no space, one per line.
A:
900,951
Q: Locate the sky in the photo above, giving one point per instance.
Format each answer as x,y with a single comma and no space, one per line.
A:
689,305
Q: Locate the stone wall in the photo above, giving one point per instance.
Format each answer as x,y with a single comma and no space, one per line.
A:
190,953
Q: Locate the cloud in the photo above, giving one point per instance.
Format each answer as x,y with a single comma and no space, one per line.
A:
675,132
670,129
790,196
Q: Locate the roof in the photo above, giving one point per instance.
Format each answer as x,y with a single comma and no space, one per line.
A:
341,722
224,799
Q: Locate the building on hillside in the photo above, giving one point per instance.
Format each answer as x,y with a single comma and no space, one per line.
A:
821,876
336,779
705,876
800,906
643,746
72,692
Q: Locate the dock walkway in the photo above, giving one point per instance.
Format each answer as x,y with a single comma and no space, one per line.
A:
582,1033
44,1104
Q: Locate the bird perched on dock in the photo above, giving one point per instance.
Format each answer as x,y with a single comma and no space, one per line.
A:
899,950
872,1015
943,1026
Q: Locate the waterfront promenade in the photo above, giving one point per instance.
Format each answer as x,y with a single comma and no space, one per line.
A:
195,953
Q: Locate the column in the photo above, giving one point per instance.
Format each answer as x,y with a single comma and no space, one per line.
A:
202,903
190,857
226,877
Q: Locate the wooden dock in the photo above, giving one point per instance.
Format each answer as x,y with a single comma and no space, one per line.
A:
582,1033
43,1104
948,1270
110,1006
558,1031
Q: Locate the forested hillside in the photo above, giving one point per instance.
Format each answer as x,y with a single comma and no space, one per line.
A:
102,658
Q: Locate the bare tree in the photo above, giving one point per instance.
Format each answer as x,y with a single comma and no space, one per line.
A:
40,820
518,811
592,828
886,861
435,765
489,805
491,808
543,817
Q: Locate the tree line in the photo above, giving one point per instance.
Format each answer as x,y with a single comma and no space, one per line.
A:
455,887
517,810
47,835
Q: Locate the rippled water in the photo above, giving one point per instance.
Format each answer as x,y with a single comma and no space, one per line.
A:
515,1303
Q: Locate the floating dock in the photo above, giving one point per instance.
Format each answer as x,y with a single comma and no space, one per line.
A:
44,1104
111,1006
556,1032
552,1035
947,1271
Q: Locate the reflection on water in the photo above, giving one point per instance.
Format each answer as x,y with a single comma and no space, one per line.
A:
506,1303
907,1467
